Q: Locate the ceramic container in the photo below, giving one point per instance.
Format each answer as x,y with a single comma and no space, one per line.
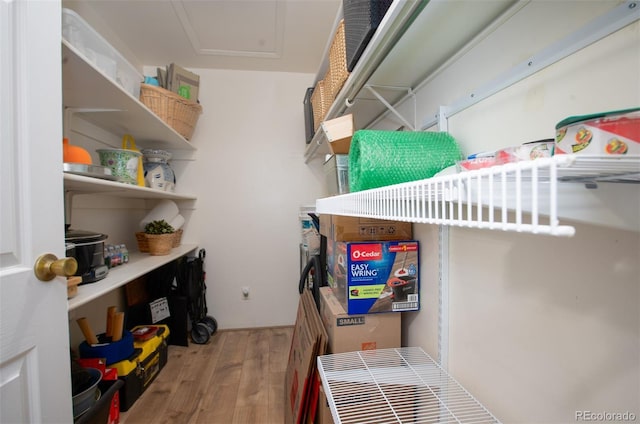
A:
123,164
158,174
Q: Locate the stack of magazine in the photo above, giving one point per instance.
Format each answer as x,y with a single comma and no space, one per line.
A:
177,79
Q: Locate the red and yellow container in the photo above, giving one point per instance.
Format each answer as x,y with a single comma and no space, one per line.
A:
615,133
143,366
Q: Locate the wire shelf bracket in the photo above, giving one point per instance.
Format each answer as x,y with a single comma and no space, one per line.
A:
390,107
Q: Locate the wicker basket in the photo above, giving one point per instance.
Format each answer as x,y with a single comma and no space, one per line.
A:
338,61
177,237
320,102
143,244
160,244
176,111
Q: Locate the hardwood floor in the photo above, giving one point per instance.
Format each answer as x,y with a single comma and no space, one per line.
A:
237,377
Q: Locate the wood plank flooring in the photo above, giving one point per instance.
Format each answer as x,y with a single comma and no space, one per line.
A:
237,377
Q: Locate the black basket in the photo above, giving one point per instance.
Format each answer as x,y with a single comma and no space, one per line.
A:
308,115
361,19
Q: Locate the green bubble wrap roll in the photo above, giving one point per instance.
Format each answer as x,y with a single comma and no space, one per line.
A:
381,158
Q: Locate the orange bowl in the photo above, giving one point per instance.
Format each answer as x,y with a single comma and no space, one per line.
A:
74,154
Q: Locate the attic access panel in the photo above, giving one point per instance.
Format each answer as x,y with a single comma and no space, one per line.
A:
256,34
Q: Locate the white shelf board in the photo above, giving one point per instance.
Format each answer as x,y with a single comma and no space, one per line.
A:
139,264
99,100
523,196
80,184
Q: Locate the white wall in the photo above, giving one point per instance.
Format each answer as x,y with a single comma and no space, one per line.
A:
250,179
540,327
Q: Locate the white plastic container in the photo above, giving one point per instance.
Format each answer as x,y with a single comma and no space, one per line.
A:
310,237
97,51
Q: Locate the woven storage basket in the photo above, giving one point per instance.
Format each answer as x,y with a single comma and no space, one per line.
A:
338,61
176,111
143,244
320,102
160,244
177,238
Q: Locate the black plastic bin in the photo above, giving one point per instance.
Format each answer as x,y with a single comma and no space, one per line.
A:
99,412
308,115
361,19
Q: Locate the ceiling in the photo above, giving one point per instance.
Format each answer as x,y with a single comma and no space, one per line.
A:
260,35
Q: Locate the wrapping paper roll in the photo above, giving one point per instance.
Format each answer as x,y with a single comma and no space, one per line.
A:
177,222
380,158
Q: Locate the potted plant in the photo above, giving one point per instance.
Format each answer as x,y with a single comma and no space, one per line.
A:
160,235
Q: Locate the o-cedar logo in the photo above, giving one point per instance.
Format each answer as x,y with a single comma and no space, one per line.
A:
366,252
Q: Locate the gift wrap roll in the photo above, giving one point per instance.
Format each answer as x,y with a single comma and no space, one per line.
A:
380,158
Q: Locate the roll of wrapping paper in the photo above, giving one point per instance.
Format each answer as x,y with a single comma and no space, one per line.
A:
87,331
117,326
111,313
380,158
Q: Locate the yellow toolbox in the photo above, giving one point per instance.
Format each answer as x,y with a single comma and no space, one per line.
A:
142,367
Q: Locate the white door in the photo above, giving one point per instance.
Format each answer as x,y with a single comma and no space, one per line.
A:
35,382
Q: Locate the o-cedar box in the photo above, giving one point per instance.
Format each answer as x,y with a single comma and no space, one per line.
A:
373,277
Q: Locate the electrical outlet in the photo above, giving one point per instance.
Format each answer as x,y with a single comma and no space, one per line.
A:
245,293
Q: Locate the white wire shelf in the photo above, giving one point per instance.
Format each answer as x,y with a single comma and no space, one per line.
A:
521,196
403,385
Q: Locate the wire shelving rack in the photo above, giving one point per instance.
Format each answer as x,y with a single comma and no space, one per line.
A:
401,385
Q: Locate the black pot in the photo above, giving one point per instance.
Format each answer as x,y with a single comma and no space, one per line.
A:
88,249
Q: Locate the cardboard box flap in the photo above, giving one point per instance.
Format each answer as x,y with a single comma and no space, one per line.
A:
309,340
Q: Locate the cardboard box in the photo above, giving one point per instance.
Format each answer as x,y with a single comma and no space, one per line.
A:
301,381
339,132
349,228
372,277
349,333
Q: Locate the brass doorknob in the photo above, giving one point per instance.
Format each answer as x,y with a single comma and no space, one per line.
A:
48,266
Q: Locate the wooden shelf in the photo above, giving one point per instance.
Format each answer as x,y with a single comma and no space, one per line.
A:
97,99
139,264
79,184
105,104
